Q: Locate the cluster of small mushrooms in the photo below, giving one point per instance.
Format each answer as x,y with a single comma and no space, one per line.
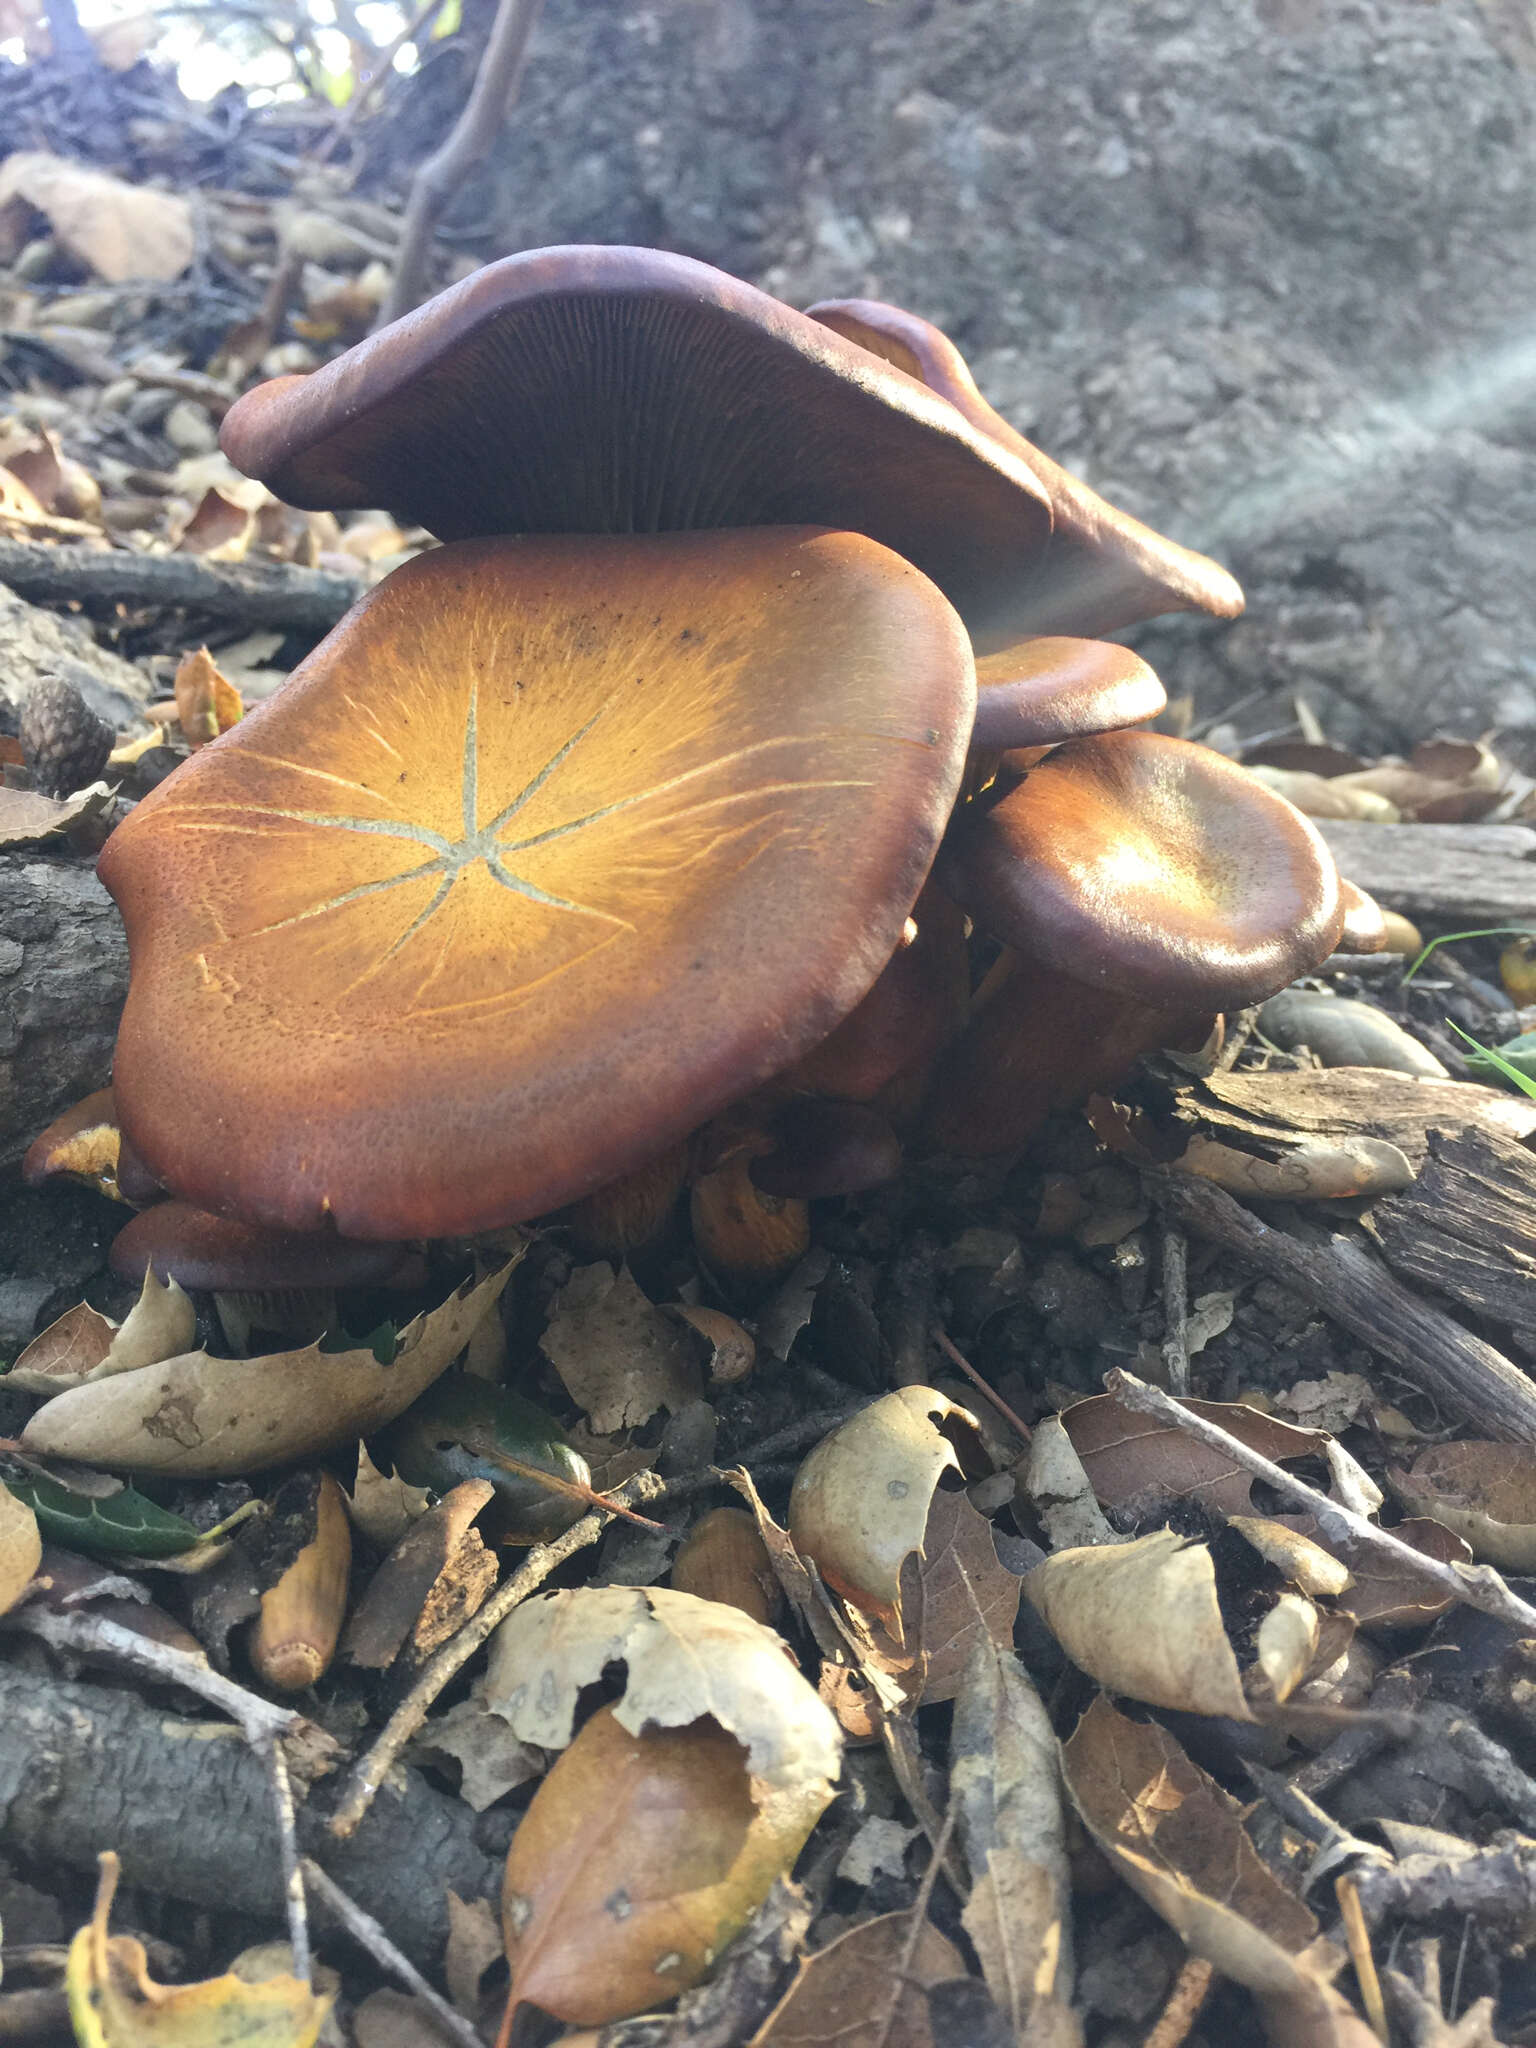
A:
650,824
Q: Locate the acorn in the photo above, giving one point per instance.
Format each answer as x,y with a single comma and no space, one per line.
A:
725,1559
295,1635
63,742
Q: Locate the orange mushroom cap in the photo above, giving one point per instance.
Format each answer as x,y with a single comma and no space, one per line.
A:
1104,569
1152,867
619,390
524,873
1055,689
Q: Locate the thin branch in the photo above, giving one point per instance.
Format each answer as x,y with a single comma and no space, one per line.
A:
1478,1586
957,1357
366,1930
271,1753
497,79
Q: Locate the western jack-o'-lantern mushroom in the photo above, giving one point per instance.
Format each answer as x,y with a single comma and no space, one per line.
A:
1141,885
555,847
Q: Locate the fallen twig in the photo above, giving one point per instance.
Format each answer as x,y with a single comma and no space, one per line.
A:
1478,1586
365,1929
1176,1308
370,1771
1461,1372
239,593
957,1357
288,1849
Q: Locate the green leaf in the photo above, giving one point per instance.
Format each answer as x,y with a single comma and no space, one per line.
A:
125,1524
383,1341
464,1428
1496,1058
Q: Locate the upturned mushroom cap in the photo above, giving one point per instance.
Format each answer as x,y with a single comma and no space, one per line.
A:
1104,569
553,848
1055,689
1151,867
187,1245
617,390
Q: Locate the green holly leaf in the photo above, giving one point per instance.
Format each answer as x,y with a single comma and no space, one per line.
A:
123,1524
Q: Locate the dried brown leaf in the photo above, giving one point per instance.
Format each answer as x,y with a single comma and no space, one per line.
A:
21,1548
619,1357
867,1990
1137,1462
27,818
122,231
1483,1492
1386,1595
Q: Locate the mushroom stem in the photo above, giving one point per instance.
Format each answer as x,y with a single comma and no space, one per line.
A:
1038,1041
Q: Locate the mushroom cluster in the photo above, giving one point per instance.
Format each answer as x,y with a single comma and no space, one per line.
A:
755,682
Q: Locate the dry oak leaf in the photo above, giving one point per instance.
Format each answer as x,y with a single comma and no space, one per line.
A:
1176,1838
867,1990
122,231
113,2003
1142,1619
21,1548
27,818
1305,1564
84,1345
1386,1595
684,1658
207,1418
618,1356
1057,1482
1483,1492
1005,1789
957,1595
207,703
382,1505
490,1763
1137,1462
640,1857
860,1502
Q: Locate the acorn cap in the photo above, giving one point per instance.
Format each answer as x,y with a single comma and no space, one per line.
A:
525,872
621,390
1150,867
197,1249
1105,569
1052,689
64,743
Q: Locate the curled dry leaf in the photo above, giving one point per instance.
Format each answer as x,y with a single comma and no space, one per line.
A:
639,1858
83,1345
121,231
685,1658
114,2003
867,1990
207,1418
1057,1482
434,1579
1005,1788
1137,1462
957,1594
383,1506
860,1502
1483,1492
1305,1563
21,1548
619,1357
1388,1595
1177,1839
1142,1619
206,702
27,818
490,1763
220,531
1286,1647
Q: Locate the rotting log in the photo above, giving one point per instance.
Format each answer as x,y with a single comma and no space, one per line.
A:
1469,1379
1467,874
187,1804
249,594
63,977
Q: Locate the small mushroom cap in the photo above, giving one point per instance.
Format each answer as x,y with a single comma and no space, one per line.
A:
196,1249
81,1144
1365,922
553,848
618,390
1152,867
1055,689
1105,569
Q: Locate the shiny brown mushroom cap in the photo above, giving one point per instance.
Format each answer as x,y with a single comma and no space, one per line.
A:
187,1245
1046,690
1104,569
1365,923
616,390
1151,867
554,847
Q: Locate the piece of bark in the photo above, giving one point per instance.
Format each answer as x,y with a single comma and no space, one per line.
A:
1351,1102
39,644
1467,1228
1467,1377
188,1806
249,594
63,977
1472,874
